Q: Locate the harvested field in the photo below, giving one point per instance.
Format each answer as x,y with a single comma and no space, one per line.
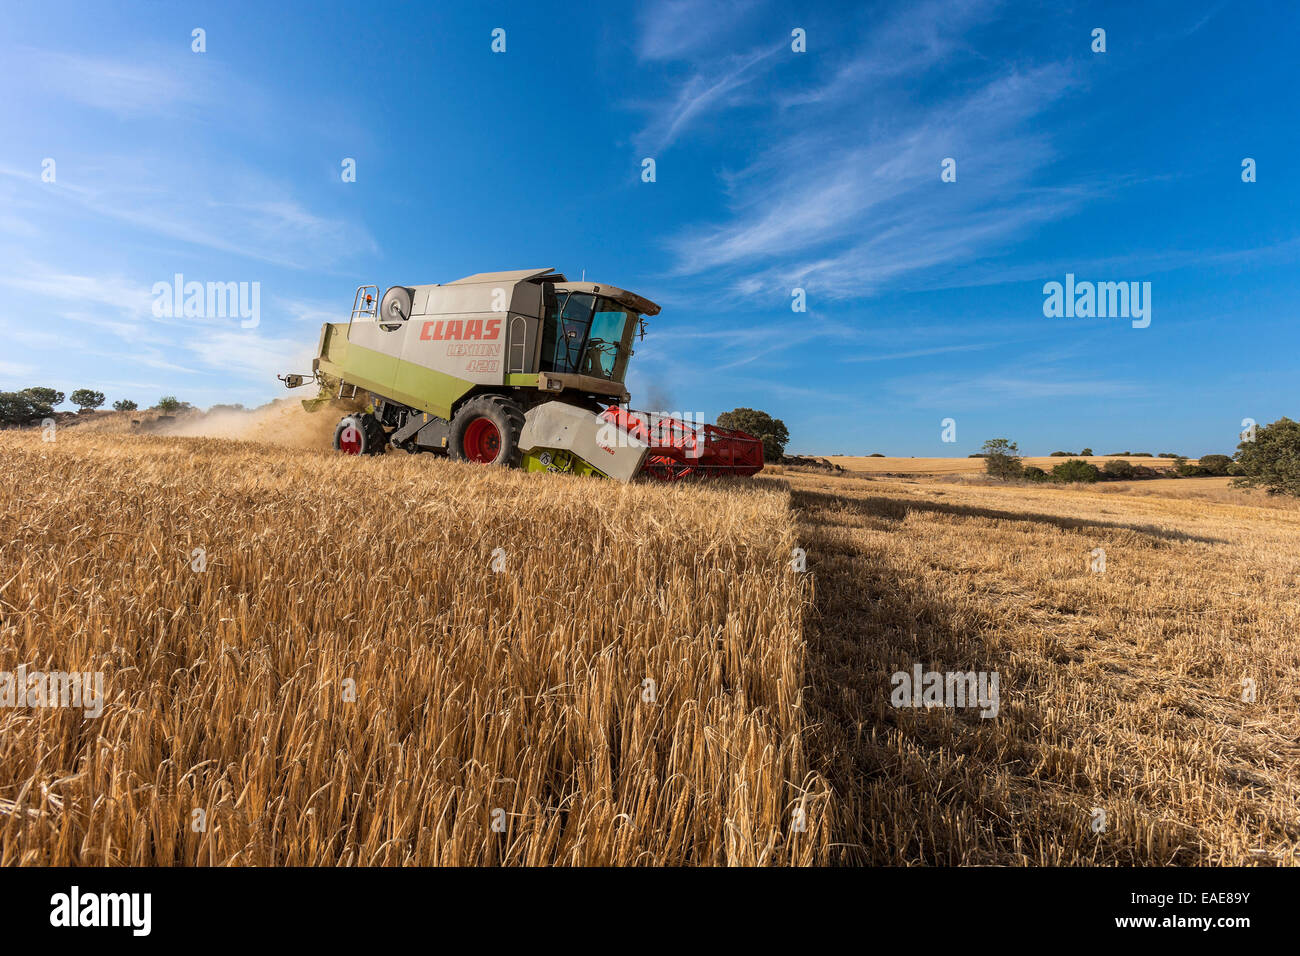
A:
1218,490
1120,690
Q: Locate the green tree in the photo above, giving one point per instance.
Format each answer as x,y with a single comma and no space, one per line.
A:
1076,469
1034,473
1000,459
1216,465
125,405
45,396
761,425
87,399
20,408
1086,453
1182,469
1272,460
1118,469
168,403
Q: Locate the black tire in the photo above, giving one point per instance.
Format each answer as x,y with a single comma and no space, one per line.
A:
360,435
505,418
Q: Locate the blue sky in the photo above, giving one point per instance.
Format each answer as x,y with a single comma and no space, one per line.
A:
775,170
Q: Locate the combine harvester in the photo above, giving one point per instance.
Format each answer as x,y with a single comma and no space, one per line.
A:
522,368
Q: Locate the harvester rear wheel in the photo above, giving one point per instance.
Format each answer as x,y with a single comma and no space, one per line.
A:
360,435
486,430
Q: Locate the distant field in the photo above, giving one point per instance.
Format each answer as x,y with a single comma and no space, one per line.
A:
957,466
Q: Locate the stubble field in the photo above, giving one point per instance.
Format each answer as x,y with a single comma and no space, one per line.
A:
1123,736
407,661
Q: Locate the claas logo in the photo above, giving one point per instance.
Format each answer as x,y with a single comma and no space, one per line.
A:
456,330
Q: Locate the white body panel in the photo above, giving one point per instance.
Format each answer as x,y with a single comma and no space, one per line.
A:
565,427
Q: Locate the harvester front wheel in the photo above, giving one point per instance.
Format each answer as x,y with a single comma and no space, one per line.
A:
360,435
486,430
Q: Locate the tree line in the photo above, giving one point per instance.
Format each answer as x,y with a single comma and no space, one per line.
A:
1270,461
30,405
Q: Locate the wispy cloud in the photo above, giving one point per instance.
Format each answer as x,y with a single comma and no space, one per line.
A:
918,353
15,370
700,94
732,345
264,223
204,197
673,29
1045,374
122,87
845,218
311,311
842,198
166,82
910,42
251,354
1003,387
126,334
116,292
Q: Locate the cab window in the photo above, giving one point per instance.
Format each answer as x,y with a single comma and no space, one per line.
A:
605,355
568,317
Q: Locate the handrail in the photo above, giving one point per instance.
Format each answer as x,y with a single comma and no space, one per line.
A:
357,307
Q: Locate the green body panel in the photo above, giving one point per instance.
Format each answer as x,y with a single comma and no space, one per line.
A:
385,375
319,402
559,462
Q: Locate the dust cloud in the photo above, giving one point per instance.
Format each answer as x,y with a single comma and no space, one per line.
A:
284,422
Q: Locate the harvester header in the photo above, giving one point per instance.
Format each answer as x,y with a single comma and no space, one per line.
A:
521,368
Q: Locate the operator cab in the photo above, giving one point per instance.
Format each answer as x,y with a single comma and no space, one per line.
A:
587,329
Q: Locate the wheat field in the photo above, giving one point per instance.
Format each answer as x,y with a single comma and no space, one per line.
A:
310,659
349,681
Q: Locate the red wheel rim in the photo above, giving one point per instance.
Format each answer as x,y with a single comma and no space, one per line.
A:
482,441
350,440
